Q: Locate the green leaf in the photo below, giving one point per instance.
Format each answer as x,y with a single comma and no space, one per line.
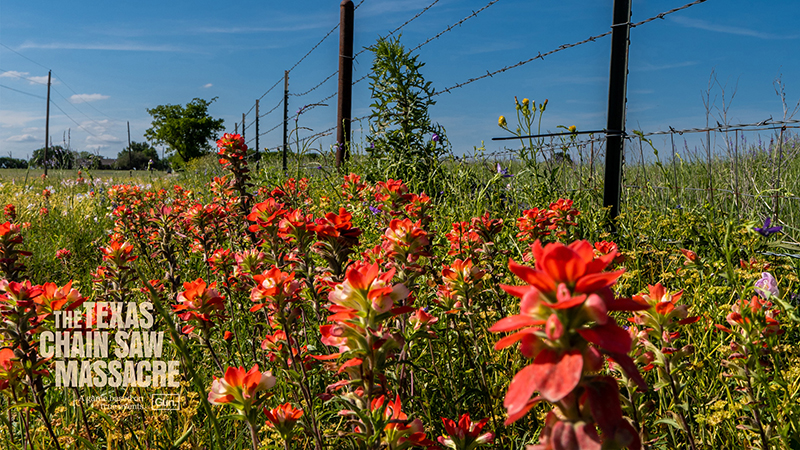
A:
86,443
22,405
670,422
183,437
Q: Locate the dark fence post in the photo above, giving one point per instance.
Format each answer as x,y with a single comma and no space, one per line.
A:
345,101
257,147
617,87
285,118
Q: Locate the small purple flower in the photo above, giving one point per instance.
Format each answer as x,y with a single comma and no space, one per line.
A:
374,210
767,230
435,137
767,286
503,172
371,145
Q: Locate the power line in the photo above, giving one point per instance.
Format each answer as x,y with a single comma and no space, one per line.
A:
87,103
22,92
20,54
474,13
70,118
76,108
14,73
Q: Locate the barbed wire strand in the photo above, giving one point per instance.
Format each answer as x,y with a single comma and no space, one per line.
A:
666,13
365,49
474,13
561,48
416,16
271,129
315,87
270,89
271,110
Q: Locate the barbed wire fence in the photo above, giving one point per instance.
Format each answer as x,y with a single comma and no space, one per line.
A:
738,186
489,73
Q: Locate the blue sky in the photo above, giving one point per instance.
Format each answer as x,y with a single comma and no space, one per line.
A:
113,60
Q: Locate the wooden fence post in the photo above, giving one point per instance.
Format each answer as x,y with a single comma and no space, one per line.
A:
617,87
345,100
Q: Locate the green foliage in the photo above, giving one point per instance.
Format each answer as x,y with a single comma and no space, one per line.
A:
87,160
401,142
186,130
139,157
58,157
7,162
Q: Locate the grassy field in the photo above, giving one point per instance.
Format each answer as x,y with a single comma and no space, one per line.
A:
705,387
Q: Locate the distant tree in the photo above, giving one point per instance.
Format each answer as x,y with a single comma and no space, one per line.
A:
87,160
139,157
7,162
58,157
187,130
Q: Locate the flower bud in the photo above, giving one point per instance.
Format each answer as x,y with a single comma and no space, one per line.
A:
502,122
596,309
554,328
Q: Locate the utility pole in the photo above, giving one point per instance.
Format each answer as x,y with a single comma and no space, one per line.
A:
345,98
285,118
617,87
257,147
47,125
130,153
243,116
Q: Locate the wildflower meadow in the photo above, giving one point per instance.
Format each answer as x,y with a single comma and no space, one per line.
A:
238,307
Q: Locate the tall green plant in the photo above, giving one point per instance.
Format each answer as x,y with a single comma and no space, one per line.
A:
403,142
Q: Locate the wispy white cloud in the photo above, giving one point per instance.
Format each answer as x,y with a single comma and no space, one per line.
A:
25,76
102,139
728,29
13,74
123,47
309,25
23,138
86,98
491,47
648,67
17,119
206,86
39,80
